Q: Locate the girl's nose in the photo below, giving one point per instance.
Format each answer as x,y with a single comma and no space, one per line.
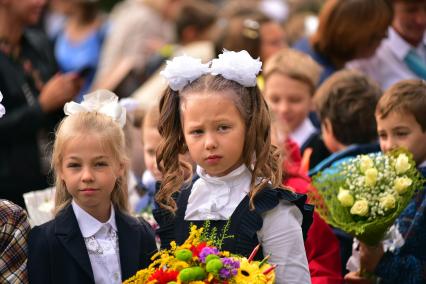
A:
87,175
210,142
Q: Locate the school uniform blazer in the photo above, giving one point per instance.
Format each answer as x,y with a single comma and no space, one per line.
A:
57,252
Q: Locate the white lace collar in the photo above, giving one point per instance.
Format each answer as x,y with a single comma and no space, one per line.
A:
215,198
88,224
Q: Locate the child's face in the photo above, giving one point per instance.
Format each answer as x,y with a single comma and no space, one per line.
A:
151,140
214,132
289,99
402,130
89,172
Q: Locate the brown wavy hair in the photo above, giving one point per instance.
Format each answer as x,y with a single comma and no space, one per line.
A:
112,138
261,158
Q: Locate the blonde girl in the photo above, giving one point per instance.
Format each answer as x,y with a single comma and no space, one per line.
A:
92,239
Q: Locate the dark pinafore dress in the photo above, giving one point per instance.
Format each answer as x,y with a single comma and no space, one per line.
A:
244,223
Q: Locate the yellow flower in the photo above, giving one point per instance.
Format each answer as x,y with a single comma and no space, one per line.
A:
365,163
360,208
401,164
401,184
249,273
371,177
387,202
345,197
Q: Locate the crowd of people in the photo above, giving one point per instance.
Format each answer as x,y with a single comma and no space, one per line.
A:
195,110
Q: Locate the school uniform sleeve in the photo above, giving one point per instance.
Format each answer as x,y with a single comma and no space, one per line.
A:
38,257
401,269
281,236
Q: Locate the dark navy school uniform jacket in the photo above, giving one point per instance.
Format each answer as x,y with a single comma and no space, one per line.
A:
57,252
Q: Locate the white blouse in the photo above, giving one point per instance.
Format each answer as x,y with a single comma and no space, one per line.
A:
101,241
216,198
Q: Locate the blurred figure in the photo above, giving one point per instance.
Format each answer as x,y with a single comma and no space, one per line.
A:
403,54
32,96
194,26
78,45
255,32
138,29
347,30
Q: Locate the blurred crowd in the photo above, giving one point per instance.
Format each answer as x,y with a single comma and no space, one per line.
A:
326,63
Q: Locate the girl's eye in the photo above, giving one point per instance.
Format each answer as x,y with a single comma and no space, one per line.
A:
196,132
73,165
101,164
382,136
223,127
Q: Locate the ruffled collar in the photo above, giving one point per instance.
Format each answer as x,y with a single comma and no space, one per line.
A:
215,198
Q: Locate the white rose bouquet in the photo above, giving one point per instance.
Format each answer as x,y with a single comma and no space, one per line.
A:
364,195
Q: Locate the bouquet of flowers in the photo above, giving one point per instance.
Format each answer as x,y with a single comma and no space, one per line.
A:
199,260
364,195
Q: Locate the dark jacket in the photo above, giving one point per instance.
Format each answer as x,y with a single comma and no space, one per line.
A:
24,122
57,252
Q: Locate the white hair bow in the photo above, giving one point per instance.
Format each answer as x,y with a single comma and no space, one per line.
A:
236,66
101,101
2,109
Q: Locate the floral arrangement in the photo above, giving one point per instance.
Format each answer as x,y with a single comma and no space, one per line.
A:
364,195
199,260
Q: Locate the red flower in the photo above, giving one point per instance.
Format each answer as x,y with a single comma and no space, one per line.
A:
197,249
163,277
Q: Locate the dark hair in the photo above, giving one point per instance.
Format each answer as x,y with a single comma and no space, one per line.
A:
261,158
345,26
194,13
406,96
242,32
348,99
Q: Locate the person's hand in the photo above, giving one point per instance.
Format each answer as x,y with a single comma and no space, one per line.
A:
354,278
370,256
60,89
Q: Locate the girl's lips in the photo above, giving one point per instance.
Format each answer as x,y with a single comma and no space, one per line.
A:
213,159
88,190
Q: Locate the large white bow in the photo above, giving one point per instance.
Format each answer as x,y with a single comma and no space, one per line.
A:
236,66
101,101
2,110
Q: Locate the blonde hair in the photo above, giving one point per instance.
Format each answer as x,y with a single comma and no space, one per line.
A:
261,158
296,65
111,136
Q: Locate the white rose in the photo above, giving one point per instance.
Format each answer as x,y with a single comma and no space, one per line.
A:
371,177
401,184
360,208
387,202
401,164
345,197
365,163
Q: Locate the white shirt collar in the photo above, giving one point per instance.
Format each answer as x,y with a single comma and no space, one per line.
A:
303,132
422,164
398,45
88,224
215,198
